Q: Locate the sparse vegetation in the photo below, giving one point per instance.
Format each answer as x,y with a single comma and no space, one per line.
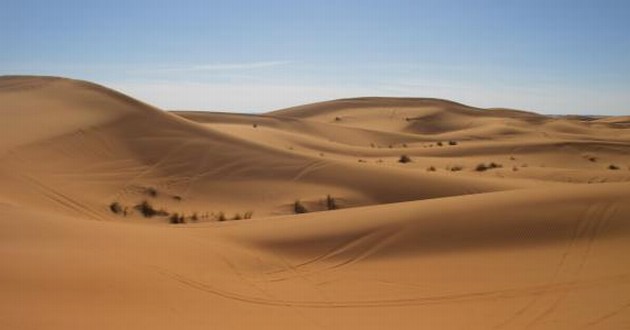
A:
495,165
221,216
613,167
116,208
194,217
456,168
404,159
337,118
254,125
431,169
175,218
331,204
298,207
177,198
452,143
483,167
150,191
147,210
439,144
590,158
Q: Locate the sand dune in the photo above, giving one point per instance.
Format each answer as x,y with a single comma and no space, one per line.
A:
533,239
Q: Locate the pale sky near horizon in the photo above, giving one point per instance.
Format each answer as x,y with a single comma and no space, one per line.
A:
549,56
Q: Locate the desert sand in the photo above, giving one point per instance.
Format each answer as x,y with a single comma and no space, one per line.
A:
500,218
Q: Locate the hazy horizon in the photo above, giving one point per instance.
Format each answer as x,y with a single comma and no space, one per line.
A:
565,57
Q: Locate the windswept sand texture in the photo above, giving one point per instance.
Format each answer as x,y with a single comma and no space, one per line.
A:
539,241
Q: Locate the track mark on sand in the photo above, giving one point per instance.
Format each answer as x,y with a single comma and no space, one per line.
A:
412,301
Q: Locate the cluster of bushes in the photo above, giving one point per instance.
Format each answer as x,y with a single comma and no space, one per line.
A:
148,211
330,203
484,167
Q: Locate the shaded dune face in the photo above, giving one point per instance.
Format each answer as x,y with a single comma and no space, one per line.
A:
503,218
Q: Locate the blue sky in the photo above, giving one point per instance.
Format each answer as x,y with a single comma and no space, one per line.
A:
252,56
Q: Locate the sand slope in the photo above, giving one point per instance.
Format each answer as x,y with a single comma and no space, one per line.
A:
538,243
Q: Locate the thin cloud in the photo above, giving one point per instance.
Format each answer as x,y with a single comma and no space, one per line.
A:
226,66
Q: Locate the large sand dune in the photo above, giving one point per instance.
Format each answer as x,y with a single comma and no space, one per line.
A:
537,241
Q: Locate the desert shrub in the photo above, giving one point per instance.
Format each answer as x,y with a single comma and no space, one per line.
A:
255,125
237,216
337,118
177,198
404,145
298,207
514,168
456,168
116,208
495,165
404,159
221,216
150,191
431,169
148,211
452,143
194,217
439,144
248,215
175,218
481,167
331,204
613,167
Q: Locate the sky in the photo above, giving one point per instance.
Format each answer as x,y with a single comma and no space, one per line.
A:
555,57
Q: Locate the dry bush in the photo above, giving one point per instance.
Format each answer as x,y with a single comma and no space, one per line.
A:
331,204
404,159
148,211
116,208
456,168
298,207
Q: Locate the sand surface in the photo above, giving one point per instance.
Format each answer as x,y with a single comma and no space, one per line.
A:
445,241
